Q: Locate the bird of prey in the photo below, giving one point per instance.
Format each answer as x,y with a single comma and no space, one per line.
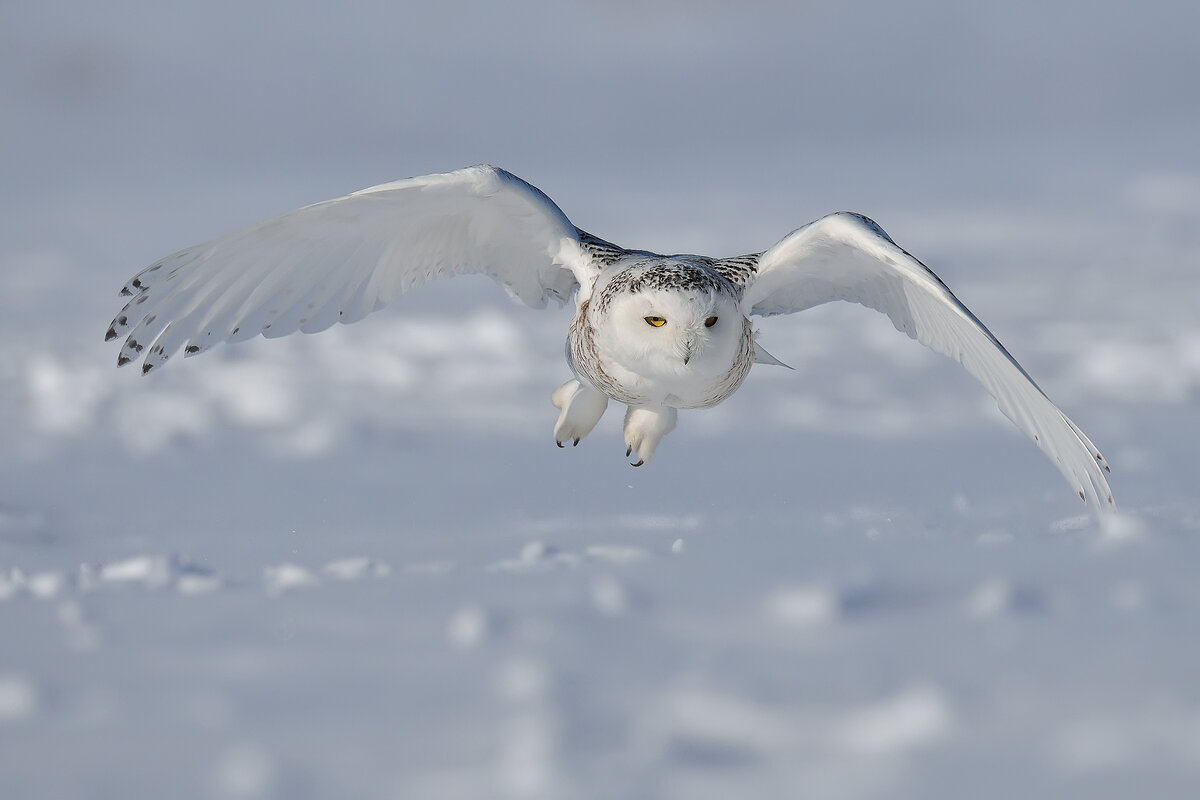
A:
656,333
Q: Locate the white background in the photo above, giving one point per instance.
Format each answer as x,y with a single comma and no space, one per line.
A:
355,565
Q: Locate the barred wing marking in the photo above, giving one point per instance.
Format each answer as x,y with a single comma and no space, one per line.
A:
341,259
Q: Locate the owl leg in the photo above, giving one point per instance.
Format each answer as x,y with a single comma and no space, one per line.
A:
645,426
582,406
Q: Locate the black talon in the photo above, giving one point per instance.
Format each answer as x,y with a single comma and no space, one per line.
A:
558,443
639,463
575,443
628,450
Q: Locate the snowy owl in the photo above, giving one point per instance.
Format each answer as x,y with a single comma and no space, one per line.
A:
656,333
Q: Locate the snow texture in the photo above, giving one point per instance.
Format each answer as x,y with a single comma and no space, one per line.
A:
354,564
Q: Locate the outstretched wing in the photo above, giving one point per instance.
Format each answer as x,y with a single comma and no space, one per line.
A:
848,257
339,260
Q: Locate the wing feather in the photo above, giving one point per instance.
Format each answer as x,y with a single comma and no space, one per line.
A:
341,259
848,257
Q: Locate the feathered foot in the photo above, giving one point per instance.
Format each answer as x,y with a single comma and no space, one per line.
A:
645,426
582,406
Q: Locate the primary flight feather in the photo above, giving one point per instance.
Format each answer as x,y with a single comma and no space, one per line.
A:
656,333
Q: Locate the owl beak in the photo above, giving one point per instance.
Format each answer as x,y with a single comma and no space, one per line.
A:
689,349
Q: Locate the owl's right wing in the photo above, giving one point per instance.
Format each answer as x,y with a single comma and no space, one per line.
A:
341,259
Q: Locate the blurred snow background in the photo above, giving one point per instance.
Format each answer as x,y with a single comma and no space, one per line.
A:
355,565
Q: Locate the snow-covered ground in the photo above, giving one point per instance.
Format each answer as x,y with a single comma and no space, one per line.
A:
355,565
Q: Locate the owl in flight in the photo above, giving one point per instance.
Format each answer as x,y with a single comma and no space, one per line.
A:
656,333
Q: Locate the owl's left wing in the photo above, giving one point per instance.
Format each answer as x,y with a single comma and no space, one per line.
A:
339,260
848,257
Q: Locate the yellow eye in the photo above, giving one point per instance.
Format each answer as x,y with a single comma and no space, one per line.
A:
657,322
708,323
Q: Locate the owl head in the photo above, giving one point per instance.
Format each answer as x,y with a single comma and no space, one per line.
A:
673,319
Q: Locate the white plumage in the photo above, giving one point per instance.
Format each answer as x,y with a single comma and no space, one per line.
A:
656,333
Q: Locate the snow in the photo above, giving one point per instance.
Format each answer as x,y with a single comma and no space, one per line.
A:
355,565
18,698
280,578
